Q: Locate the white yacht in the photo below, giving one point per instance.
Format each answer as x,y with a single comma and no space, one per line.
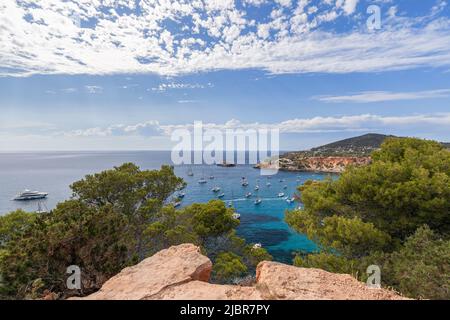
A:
30,195
236,216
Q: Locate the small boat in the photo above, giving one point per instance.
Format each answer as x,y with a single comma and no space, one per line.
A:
258,201
181,195
215,189
226,165
248,194
281,180
281,195
176,204
285,187
268,184
230,204
190,173
30,195
202,181
257,246
221,195
256,188
236,216
244,183
211,177
291,200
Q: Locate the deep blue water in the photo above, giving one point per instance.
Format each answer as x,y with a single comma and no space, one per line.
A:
53,172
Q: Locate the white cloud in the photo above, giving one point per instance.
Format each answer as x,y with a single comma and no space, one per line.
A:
380,96
69,90
175,85
146,129
94,89
355,123
44,38
350,6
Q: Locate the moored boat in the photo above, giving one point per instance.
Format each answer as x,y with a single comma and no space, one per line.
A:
30,195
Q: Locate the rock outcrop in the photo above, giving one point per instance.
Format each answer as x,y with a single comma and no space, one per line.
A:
181,272
314,164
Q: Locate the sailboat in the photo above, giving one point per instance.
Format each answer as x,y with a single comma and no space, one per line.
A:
215,189
190,173
202,179
41,208
248,194
258,201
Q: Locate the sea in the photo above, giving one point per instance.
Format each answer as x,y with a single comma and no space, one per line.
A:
53,172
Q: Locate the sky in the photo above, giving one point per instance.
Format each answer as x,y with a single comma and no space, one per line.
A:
124,74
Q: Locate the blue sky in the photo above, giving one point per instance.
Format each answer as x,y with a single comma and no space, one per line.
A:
119,75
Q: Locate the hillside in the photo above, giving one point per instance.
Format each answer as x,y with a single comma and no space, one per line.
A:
356,146
333,157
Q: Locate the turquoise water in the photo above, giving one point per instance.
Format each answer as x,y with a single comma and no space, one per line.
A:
53,172
263,223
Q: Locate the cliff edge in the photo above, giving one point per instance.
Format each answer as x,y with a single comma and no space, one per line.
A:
181,272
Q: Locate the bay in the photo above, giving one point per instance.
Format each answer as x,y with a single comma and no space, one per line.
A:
53,172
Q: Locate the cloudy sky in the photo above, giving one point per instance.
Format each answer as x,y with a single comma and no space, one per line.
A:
122,74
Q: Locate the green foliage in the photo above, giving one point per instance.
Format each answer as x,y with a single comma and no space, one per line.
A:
370,211
72,234
14,225
137,194
329,262
228,265
421,268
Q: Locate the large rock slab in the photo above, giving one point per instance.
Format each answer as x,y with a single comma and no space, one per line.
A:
198,290
169,267
279,281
